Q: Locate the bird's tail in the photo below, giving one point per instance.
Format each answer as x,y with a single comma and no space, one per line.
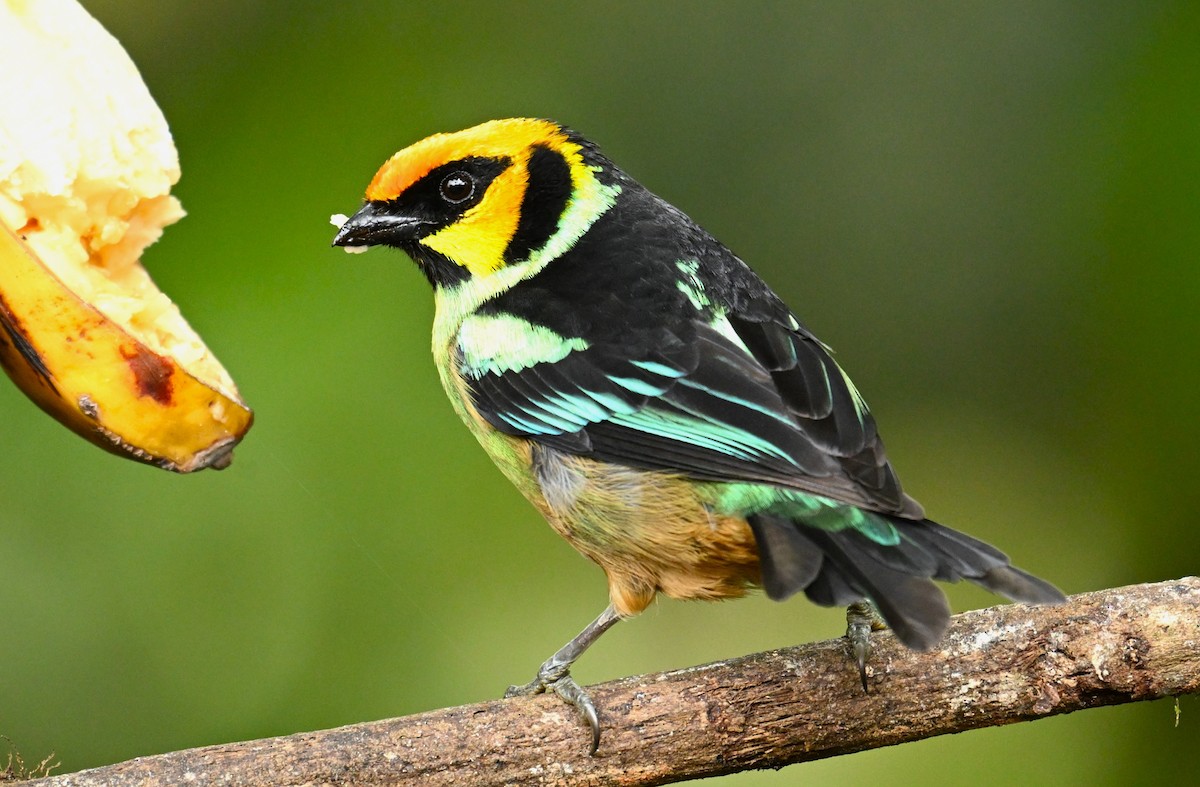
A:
839,567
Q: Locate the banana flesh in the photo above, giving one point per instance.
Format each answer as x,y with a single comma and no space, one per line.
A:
85,172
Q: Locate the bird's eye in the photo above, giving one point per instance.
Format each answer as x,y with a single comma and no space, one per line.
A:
457,187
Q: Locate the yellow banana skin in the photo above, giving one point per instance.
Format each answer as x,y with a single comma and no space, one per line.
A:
97,379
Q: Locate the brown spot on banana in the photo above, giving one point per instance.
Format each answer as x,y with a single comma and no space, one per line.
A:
152,373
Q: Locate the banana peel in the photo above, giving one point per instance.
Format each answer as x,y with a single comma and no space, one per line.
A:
97,379
85,172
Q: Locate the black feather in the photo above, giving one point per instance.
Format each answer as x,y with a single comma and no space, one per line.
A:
913,606
1019,585
789,560
545,199
896,578
832,588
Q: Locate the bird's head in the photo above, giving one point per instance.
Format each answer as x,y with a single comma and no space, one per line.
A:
504,197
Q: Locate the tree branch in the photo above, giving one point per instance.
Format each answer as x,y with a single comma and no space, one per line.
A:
996,666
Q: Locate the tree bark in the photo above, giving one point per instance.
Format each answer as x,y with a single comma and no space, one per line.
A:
995,666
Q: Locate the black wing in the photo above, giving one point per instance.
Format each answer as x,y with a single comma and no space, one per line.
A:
733,399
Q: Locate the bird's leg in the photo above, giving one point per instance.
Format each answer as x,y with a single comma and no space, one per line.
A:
861,619
555,673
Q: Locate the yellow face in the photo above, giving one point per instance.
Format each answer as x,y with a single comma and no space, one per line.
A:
477,239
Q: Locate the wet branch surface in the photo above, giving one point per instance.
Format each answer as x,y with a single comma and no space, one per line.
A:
996,666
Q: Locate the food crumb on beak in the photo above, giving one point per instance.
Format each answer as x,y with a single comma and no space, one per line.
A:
337,220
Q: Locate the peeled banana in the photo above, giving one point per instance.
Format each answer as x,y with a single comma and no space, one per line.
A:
86,167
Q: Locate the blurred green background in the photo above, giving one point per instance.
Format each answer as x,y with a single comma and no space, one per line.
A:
991,210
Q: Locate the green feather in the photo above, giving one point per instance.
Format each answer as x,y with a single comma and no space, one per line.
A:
860,406
812,510
691,286
703,433
503,343
639,386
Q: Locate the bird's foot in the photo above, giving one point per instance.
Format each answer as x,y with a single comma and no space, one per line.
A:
861,619
555,676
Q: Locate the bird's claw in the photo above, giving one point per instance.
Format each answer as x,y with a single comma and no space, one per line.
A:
573,694
558,680
861,620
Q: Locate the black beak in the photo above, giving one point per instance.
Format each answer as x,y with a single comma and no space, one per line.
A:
376,224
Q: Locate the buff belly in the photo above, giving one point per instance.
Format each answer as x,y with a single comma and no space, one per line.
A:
648,531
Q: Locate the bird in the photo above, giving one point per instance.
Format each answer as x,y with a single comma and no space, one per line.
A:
659,404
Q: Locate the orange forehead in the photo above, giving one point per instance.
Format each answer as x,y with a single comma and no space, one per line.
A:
493,139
